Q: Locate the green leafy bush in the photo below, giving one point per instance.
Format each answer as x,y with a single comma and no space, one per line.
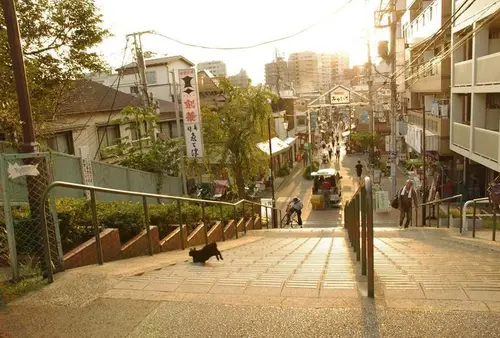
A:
310,169
283,171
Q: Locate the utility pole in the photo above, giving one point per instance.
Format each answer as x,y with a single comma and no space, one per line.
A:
424,180
278,73
179,133
370,89
392,54
271,176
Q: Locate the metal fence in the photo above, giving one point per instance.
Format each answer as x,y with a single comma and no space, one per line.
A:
358,220
23,180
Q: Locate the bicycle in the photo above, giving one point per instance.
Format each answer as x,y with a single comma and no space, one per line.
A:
291,221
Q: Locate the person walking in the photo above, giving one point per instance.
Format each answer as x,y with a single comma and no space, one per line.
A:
359,170
337,152
330,151
407,197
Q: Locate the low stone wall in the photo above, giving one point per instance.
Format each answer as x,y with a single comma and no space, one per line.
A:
173,240
86,253
215,233
257,225
197,237
240,225
138,246
229,229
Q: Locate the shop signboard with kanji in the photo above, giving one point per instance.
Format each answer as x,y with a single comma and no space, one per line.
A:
191,113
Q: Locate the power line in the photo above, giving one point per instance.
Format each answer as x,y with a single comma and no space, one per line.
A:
286,37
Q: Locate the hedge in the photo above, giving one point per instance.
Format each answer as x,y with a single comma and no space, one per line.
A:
75,218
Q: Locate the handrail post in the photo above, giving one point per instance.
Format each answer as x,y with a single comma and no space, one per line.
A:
474,219
363,231
204,222
222,222
244,212
98,245
493,236
277,224
253,215
371,275
448,214
46,243
356,224
461,215
235,221
146,222
181,226
267,219
438,211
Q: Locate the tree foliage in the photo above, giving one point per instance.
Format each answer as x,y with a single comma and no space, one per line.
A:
231,133
160,156
57,36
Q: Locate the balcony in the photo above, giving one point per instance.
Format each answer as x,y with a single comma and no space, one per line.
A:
428,20
433,77
463,73
486,143
488,71
461,135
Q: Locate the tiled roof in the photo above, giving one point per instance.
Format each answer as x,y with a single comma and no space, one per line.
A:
160,61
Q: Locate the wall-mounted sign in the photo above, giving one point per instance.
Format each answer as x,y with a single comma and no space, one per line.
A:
15,170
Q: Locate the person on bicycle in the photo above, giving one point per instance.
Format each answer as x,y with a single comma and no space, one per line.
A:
295,206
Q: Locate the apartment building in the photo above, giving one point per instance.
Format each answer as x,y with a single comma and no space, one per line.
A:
239,80
275,68
475,92
304,73
427,81
217,68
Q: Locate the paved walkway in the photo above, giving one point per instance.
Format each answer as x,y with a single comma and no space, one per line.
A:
294,283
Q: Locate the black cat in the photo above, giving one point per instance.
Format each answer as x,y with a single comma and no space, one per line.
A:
203,255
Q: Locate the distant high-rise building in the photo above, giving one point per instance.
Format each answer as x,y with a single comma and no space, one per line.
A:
239,80
303,68
217,68
272,69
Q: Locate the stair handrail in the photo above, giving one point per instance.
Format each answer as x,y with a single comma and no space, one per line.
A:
93,189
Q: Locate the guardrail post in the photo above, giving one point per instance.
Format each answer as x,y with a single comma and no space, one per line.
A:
204,222
448,214
356,224
146,222
181,228
474,219
95,222
493,236
363,231
369,223
461,215
222,222
235,222
267,218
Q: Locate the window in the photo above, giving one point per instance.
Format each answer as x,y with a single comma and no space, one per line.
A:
134,90
62,142
151,77
173,129
135,133
430,13
108,135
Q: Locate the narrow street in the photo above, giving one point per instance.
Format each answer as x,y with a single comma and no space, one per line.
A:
302,188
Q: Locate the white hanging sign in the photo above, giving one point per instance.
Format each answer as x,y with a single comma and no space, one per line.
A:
15,170
191,113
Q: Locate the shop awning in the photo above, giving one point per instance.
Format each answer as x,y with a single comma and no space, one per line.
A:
278,146
290,140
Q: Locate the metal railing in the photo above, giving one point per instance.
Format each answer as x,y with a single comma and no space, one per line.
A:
474,202
437,203
358,212
145,196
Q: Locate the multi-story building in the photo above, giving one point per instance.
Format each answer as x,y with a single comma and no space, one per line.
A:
159,77
427,81
275,68
217,68
240,80
475,93
339,65
303,69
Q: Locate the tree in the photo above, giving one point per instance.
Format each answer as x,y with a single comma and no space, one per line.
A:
231,133
147,153
57,36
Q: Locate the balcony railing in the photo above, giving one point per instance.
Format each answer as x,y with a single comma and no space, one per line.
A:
486,143
463,73
488,71
461,135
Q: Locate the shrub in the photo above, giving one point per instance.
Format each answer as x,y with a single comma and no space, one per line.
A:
310,169
284,171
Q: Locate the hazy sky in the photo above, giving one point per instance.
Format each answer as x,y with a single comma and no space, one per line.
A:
229,23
